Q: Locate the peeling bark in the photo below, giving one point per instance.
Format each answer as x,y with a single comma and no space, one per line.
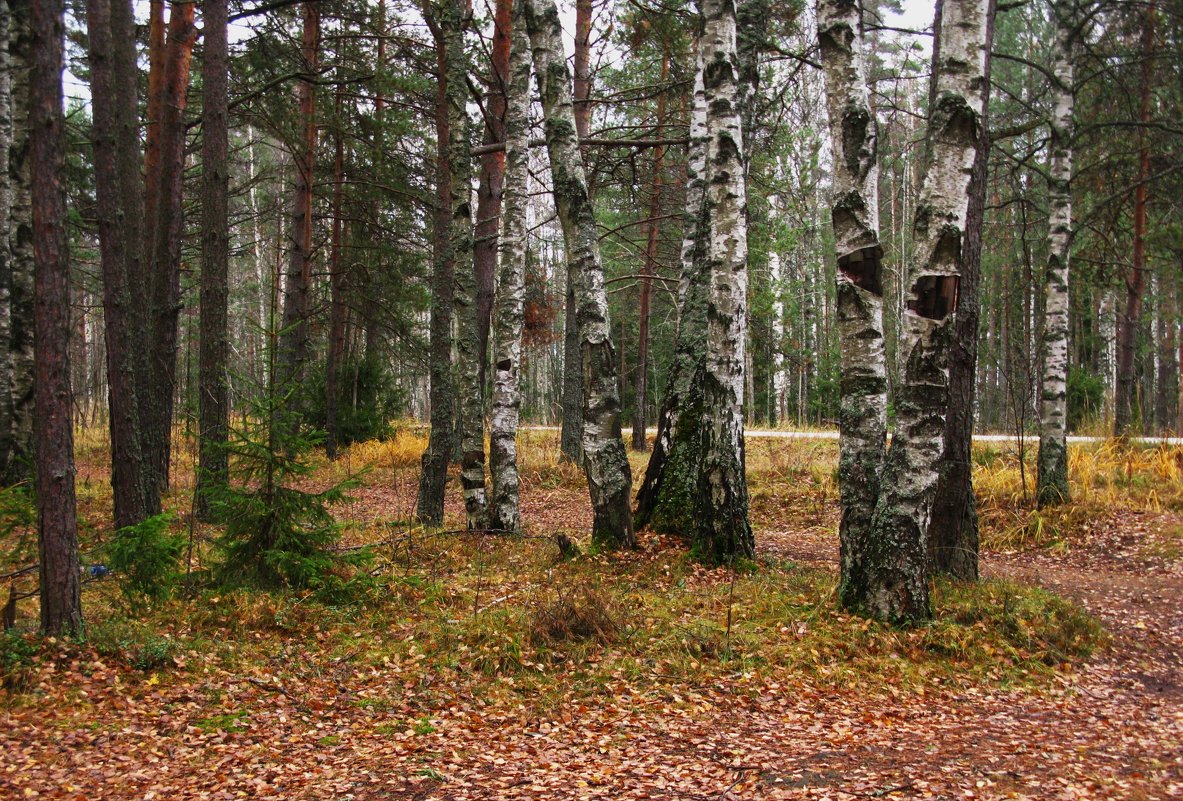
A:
511,289
472,421
855,218
1052,486
605,461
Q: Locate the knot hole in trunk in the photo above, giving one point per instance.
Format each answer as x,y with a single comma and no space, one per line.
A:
863,268
934,297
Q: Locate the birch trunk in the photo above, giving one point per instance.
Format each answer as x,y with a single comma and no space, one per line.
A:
605,461
20,221
722,529
665,501
57,523
894,581
434,466
472,420
511,286
1052,486
855,217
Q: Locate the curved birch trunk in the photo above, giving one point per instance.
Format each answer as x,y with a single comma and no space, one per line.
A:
605,461
894,580
472,419
1052,486
511,287
665,499
855,218
722,528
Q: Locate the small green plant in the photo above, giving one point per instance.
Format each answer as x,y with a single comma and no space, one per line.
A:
423,726
134,644
147,556
18,657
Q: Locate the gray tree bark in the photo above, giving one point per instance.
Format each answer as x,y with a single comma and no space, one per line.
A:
855,218
472,420
605,461
1052,482
722,527
511,286
5,243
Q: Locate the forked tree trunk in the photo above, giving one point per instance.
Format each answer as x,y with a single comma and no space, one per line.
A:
665,501
855,217
570,436
214,392
1052,486
297,285
434,465
469,390
511,290
953,532
57,523
722,529
895,581
605,461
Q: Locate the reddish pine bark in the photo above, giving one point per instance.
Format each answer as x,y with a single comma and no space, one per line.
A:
61,600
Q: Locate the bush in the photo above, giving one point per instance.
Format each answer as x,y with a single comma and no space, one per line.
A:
369,401
1086,397
18,658
147,556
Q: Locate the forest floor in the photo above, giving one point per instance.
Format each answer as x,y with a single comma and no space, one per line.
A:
485,668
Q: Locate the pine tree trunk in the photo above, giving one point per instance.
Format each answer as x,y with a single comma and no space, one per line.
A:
894,581
855,218
57,523
953,531
505,510
297,285
6,187
120,212
1052,481
665,501
338,311
214,392
469,389
1135,278
20,266
434,466
722,529
571,436
605,461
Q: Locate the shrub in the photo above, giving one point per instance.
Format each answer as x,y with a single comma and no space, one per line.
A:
147,557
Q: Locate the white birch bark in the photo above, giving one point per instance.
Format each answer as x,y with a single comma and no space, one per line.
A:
472,419
511,286
855,218
1052,486
896,560
605,461
721,508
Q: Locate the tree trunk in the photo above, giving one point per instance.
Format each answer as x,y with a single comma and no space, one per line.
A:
6,189
855,217
570,437
649,271
505,510
723,530
338,311
470,394
605,461
120,212
297,288
434,466
57,523
953,532
491,181
20,267
665,501
1135,279
893,584
1052,480
213,393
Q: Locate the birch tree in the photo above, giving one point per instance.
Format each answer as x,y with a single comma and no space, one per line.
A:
721,500
472,421
605,461
1052,487
511,286
855,218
